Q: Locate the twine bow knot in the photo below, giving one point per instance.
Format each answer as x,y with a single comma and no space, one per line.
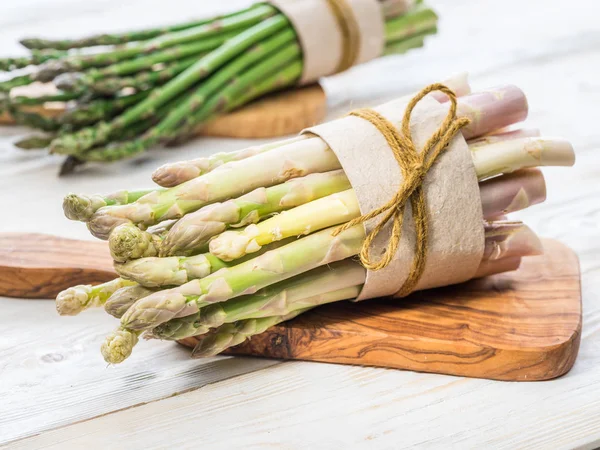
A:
414,167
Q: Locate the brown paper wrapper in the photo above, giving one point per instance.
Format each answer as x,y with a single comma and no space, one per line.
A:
320,36
456,240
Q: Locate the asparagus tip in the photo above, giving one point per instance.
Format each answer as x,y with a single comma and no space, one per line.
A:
118,346
78,207
127,242
69,164
72,301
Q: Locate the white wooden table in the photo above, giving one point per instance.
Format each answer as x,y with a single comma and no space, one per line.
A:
56,391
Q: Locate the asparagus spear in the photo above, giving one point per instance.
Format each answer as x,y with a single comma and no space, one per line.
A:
299,256
504,136
122,299
85,139
508,156
170,126
506,243
35,58
416,21
118,38
233,334
332,210
82,207
229,335
193,231
308,289
512,192
229,180
142,80
172,174
72,301
218,30
175,270
100,109
34,141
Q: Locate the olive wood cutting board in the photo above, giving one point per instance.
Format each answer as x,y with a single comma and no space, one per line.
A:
279,114
520,326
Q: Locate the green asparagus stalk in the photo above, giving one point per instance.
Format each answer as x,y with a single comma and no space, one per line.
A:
221,29
122,299
74,300
308,289
35,58
228,181
193,231
100,109
117,38
506,243
322,213
233,334
172,271
170,126
34,141
410,43
499,195
416,21
82,207
88,80
33,119
172,174
142,80
85,139
299,256
175,270
59,97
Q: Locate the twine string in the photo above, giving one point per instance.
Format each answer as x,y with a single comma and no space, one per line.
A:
414,167
350,31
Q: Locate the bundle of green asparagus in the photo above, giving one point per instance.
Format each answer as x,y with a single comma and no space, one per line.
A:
235,243
156,86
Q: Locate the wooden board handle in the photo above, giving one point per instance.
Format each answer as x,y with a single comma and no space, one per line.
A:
40,265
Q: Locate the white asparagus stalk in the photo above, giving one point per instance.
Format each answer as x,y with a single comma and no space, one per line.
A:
503,136
512,192
509,156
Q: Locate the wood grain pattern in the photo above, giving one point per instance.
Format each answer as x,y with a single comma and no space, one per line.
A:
523,325
278,114
40,266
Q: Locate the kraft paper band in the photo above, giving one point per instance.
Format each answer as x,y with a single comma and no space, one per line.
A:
456,239
324,41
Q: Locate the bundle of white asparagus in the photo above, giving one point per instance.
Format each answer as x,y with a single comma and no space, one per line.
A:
235,243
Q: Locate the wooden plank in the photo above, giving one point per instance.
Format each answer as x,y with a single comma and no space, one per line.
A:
52,373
